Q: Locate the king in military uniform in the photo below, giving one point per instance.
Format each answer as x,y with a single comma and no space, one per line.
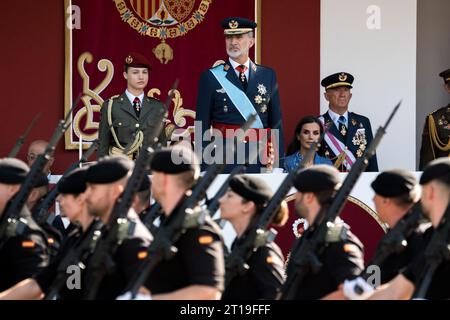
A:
436,132
127,119
349,133
234,89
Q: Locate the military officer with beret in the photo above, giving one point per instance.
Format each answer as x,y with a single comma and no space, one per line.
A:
72,201
196,271
435,181
233,90
242,206
436,131
127,119
349,133
21,255
342,258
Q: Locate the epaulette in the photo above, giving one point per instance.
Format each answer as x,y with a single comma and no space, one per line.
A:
153,98
114,97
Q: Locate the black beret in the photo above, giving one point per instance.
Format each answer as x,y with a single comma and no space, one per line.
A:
340,79
145,184
445,75
394,183
109,169
317,178
251,188
176,159
74,182
235,25
438,169
41,180
13,171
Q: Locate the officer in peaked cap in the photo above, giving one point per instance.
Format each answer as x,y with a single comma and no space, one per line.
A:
435,134
349,133
236,88
127,119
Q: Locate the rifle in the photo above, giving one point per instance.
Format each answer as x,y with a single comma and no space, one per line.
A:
119,227
436,252
21,140
43,215
307,250
258,235
12,224
151,216
184,218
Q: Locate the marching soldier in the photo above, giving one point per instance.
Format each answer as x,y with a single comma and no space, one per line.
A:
396,191
435,182
72,201
37,195
242,206
126,118
436,131
196,271
233,90
342,257
348,133
21,255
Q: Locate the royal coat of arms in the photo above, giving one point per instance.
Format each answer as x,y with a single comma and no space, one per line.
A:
163,19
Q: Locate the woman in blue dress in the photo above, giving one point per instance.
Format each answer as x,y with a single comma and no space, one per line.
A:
307,131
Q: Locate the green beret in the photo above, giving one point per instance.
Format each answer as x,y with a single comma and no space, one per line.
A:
317,178
109,169
176,159
394,183
438,169
13,171
251,188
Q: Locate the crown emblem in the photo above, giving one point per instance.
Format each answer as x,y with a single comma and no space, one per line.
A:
342,77
233,24
129,59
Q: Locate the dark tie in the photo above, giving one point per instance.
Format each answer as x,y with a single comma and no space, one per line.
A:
242,76
342,126
137,106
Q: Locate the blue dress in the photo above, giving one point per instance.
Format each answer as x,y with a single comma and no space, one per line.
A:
292,161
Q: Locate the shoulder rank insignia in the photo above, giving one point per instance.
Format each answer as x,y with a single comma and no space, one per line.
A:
254,67
226,67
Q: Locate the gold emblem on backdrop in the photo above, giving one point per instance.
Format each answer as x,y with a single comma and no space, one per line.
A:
163,19
91,100
179,115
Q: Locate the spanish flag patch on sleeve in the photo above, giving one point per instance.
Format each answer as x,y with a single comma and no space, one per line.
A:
142,255
28,244
205,239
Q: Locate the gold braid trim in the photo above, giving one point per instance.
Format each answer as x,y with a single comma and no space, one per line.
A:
339,160
434,137
138,139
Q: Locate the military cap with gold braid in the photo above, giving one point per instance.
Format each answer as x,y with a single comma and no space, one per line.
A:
336,80
235,25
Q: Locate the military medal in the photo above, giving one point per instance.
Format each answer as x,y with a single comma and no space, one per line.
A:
343,130
262,89
263,108
225,108
258,99
353,122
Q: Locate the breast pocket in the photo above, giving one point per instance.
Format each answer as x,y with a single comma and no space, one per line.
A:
124,129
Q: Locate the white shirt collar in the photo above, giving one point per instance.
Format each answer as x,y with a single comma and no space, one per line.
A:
234,64
335,117
131,96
